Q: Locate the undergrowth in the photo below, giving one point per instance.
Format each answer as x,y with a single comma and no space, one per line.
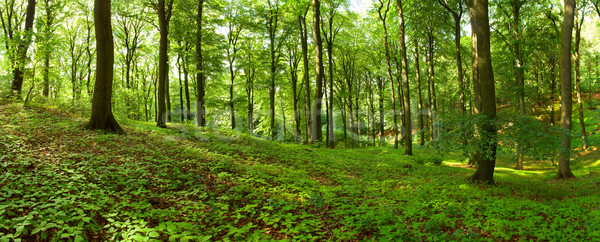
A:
59,181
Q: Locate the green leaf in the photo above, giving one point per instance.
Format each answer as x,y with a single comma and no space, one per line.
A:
19,230
153,234
78,238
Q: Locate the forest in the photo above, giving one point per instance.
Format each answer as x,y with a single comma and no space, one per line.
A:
252,120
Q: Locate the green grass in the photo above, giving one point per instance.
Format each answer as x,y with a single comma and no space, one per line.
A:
59,181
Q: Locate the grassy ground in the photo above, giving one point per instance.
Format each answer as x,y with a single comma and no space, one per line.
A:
59,181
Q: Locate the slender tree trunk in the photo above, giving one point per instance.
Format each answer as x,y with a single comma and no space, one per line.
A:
47,49
485,79
250,93
316,117
330,135
519,70
380,85
578,25
231,104
272,24
405,82
102,117
306,80
552,90
89,56
200,76
187,89
419,94
566,101
297,133
383,17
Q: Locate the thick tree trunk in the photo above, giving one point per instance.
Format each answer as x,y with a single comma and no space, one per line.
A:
566,101
102,117
485,79
163,87
317,134
405,82
200,76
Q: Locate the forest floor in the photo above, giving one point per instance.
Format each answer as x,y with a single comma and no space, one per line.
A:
59,181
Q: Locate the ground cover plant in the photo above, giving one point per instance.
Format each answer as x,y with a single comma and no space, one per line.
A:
60,181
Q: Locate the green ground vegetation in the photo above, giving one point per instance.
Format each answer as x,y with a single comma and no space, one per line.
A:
59,181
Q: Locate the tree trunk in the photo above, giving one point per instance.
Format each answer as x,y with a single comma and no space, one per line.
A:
380,85
200,77
389,69
163,87
419,94
306,80
19,67
405,82
102,117
179,76
578,26
317,134
47,49
231,104
89,56
297,133
566,101
552,90
485,79
272,24
330,135
250,93
187,89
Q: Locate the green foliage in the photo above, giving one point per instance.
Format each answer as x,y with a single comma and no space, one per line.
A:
534,138
60,182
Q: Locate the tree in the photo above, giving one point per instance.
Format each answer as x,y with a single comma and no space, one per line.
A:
317,133
566,101
17,43
405,83
164,16
419,94
233,34
330,32
483,79
200,76
102,116
457,16
596,4
383,17
306,80
579,17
